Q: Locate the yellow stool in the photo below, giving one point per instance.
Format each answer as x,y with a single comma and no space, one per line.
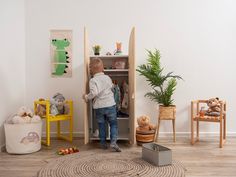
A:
51,118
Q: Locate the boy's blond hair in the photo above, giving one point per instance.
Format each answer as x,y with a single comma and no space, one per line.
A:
96,66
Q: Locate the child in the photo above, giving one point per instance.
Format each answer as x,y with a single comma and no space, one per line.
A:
100,87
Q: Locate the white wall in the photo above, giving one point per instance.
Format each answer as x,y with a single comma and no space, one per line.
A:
12,57
196,38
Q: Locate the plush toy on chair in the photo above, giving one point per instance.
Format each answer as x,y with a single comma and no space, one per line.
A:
58,105
214,107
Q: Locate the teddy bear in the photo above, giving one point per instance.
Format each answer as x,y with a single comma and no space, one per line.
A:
214,107
25,115
144,124
41,109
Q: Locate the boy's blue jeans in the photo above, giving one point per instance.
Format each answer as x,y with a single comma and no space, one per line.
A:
109,115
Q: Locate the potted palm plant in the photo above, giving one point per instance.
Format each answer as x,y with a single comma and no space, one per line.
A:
163,85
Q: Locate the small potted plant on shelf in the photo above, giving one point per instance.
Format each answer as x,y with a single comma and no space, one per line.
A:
96,49
163,85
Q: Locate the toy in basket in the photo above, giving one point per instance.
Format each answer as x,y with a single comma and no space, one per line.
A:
23,132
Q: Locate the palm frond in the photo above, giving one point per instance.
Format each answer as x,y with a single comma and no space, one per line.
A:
171,86
153,72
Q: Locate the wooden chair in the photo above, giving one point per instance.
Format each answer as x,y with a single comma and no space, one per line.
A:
195,116
58,118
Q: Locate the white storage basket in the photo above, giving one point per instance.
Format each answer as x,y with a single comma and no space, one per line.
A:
23,138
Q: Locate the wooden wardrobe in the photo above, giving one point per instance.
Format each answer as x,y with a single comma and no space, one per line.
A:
126,124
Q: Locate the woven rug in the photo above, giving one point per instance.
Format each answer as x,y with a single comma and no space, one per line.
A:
108,164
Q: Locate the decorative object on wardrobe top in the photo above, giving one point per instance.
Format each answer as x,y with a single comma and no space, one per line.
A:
117,52
118,48
96,49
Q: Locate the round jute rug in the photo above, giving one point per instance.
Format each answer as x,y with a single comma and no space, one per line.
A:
108,164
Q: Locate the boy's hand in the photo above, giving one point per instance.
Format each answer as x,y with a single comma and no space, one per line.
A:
85,97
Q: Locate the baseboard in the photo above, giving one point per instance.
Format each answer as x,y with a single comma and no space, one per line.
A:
188,134
161,134
2,148
75,134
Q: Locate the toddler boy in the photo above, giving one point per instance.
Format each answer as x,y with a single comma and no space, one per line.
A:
100,90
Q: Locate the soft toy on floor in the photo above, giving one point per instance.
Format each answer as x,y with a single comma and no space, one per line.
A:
144,124
25,115
214,107
65,151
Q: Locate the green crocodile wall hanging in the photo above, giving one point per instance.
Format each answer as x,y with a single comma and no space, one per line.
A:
61,57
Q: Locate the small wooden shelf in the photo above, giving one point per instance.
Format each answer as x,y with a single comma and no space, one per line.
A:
109,56
122,118
123,137
116,70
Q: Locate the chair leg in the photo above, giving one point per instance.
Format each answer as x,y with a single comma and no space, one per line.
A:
47,132
192,132
221,134
157,130
71,130
224,128
197,130
58,129
174,137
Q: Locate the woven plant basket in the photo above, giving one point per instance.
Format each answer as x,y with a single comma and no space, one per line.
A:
167,112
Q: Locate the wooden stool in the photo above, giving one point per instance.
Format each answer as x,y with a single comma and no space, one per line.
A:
144,136
166,113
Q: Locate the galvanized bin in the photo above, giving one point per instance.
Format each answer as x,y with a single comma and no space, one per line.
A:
156,154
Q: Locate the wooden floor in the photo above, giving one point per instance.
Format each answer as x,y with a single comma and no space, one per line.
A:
202,159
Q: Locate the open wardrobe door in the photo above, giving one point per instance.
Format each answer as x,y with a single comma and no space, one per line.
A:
86,76
132,85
